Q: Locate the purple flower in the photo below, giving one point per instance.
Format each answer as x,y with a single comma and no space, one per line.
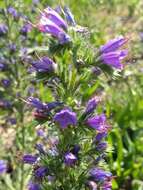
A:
33,186
58,9
41,172
70,159
25,29
69,16
75,150
42,109
3,65
12,47
92,103
100,175
53,16
51,22
101,146
5,104
107,185
65,118
92,185
64,38
29,159
40,132
114,58
12,121
98,122
45,64
113,45
36,103
3,29
13,12
47,26
100,136
52,105
3,166
5,82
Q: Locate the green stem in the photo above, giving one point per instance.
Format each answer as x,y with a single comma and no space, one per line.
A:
23,147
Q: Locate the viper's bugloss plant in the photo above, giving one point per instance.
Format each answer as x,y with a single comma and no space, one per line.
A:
72,130
14,37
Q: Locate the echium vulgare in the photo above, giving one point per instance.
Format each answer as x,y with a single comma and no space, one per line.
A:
72,125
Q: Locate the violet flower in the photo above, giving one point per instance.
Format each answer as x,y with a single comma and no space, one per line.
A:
114,59
47,26
113,45
29,159
40,133
75,150
69,16
52,23
98,122
42,109
3,166
12,47
92,185
107,185
3,29
52,105
25,29
58,9
99,175
100,136
5,104
36,103
53,16
45,111
33,186
3,65
65,118
41,172
13,12
101,146
92,104
5,82
45,64
70,159
12,121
